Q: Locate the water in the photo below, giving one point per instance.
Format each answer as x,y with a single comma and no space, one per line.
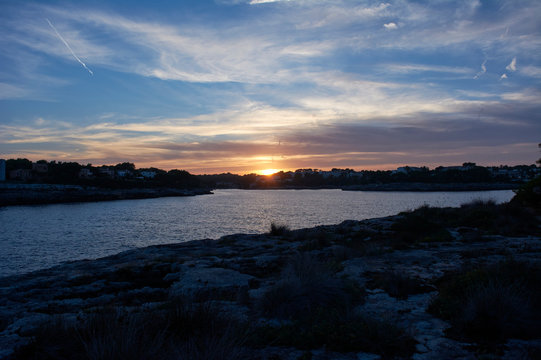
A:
37,237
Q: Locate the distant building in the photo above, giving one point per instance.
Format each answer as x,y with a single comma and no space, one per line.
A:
452,168
124,173
86,173
148,174
21,174
406,169
2,170
40,168
107,171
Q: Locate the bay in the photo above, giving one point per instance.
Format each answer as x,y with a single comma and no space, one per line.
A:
38,237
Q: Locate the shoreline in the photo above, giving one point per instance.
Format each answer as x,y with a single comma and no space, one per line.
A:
13,194
386,269
42,194
427,187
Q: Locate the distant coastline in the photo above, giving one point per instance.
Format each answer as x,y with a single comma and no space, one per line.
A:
432,187
37,194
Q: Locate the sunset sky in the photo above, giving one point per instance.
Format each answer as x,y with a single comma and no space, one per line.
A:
242,86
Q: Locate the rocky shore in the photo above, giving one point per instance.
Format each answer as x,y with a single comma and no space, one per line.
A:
428,284
33,194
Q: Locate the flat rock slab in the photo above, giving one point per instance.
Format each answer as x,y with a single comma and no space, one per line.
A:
195,279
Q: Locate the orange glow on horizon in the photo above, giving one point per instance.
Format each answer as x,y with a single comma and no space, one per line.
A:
268,171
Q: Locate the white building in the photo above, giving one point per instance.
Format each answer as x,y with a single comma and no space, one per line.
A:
2,170
148,174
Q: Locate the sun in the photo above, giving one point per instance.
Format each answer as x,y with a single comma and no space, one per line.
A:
268,171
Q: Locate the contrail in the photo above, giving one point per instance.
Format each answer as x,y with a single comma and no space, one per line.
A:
69,48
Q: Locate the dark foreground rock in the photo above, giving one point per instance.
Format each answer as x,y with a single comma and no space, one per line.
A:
368,289
33,194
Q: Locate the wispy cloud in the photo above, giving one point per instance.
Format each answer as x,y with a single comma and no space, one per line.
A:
69,47
255,2
417,68
237,85
483,70
533,71
512,65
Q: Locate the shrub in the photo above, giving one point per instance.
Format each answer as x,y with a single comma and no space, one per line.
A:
529,194
107,334
396,284
279,229
421,225
181,329
341,333
201,331
493,303
306,285
315,241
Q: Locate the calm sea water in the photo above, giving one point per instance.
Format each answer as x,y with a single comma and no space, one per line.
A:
37,237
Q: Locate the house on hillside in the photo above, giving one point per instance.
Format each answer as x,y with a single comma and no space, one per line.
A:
148,174
107,171
2,170
124,173
406,170
21,174
40,168
86,173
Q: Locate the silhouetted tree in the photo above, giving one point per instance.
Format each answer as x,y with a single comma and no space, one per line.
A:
14,164
125,166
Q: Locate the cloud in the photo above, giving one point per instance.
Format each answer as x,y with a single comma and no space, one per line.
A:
69,48
512,65
532,71
504,76
479,131
284,72
483,70
10,91
255,2
417,68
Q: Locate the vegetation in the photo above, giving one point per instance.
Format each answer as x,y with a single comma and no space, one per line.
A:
279,229
530,194
319,311
181,330
427,224
341,333
490,304
337,178
397,284
122,175
126,175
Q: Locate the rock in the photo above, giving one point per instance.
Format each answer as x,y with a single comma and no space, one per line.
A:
194,280
235,273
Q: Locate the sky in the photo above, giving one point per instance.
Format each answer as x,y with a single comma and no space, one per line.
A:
245,85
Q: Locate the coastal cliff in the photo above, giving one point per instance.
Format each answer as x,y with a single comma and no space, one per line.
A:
428,284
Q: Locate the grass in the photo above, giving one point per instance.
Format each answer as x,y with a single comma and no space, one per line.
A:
491,304
318,309
341,333
279,229
427,224
107,334
182,329
306,285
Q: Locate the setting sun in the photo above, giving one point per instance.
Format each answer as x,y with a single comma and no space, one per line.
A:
268,171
